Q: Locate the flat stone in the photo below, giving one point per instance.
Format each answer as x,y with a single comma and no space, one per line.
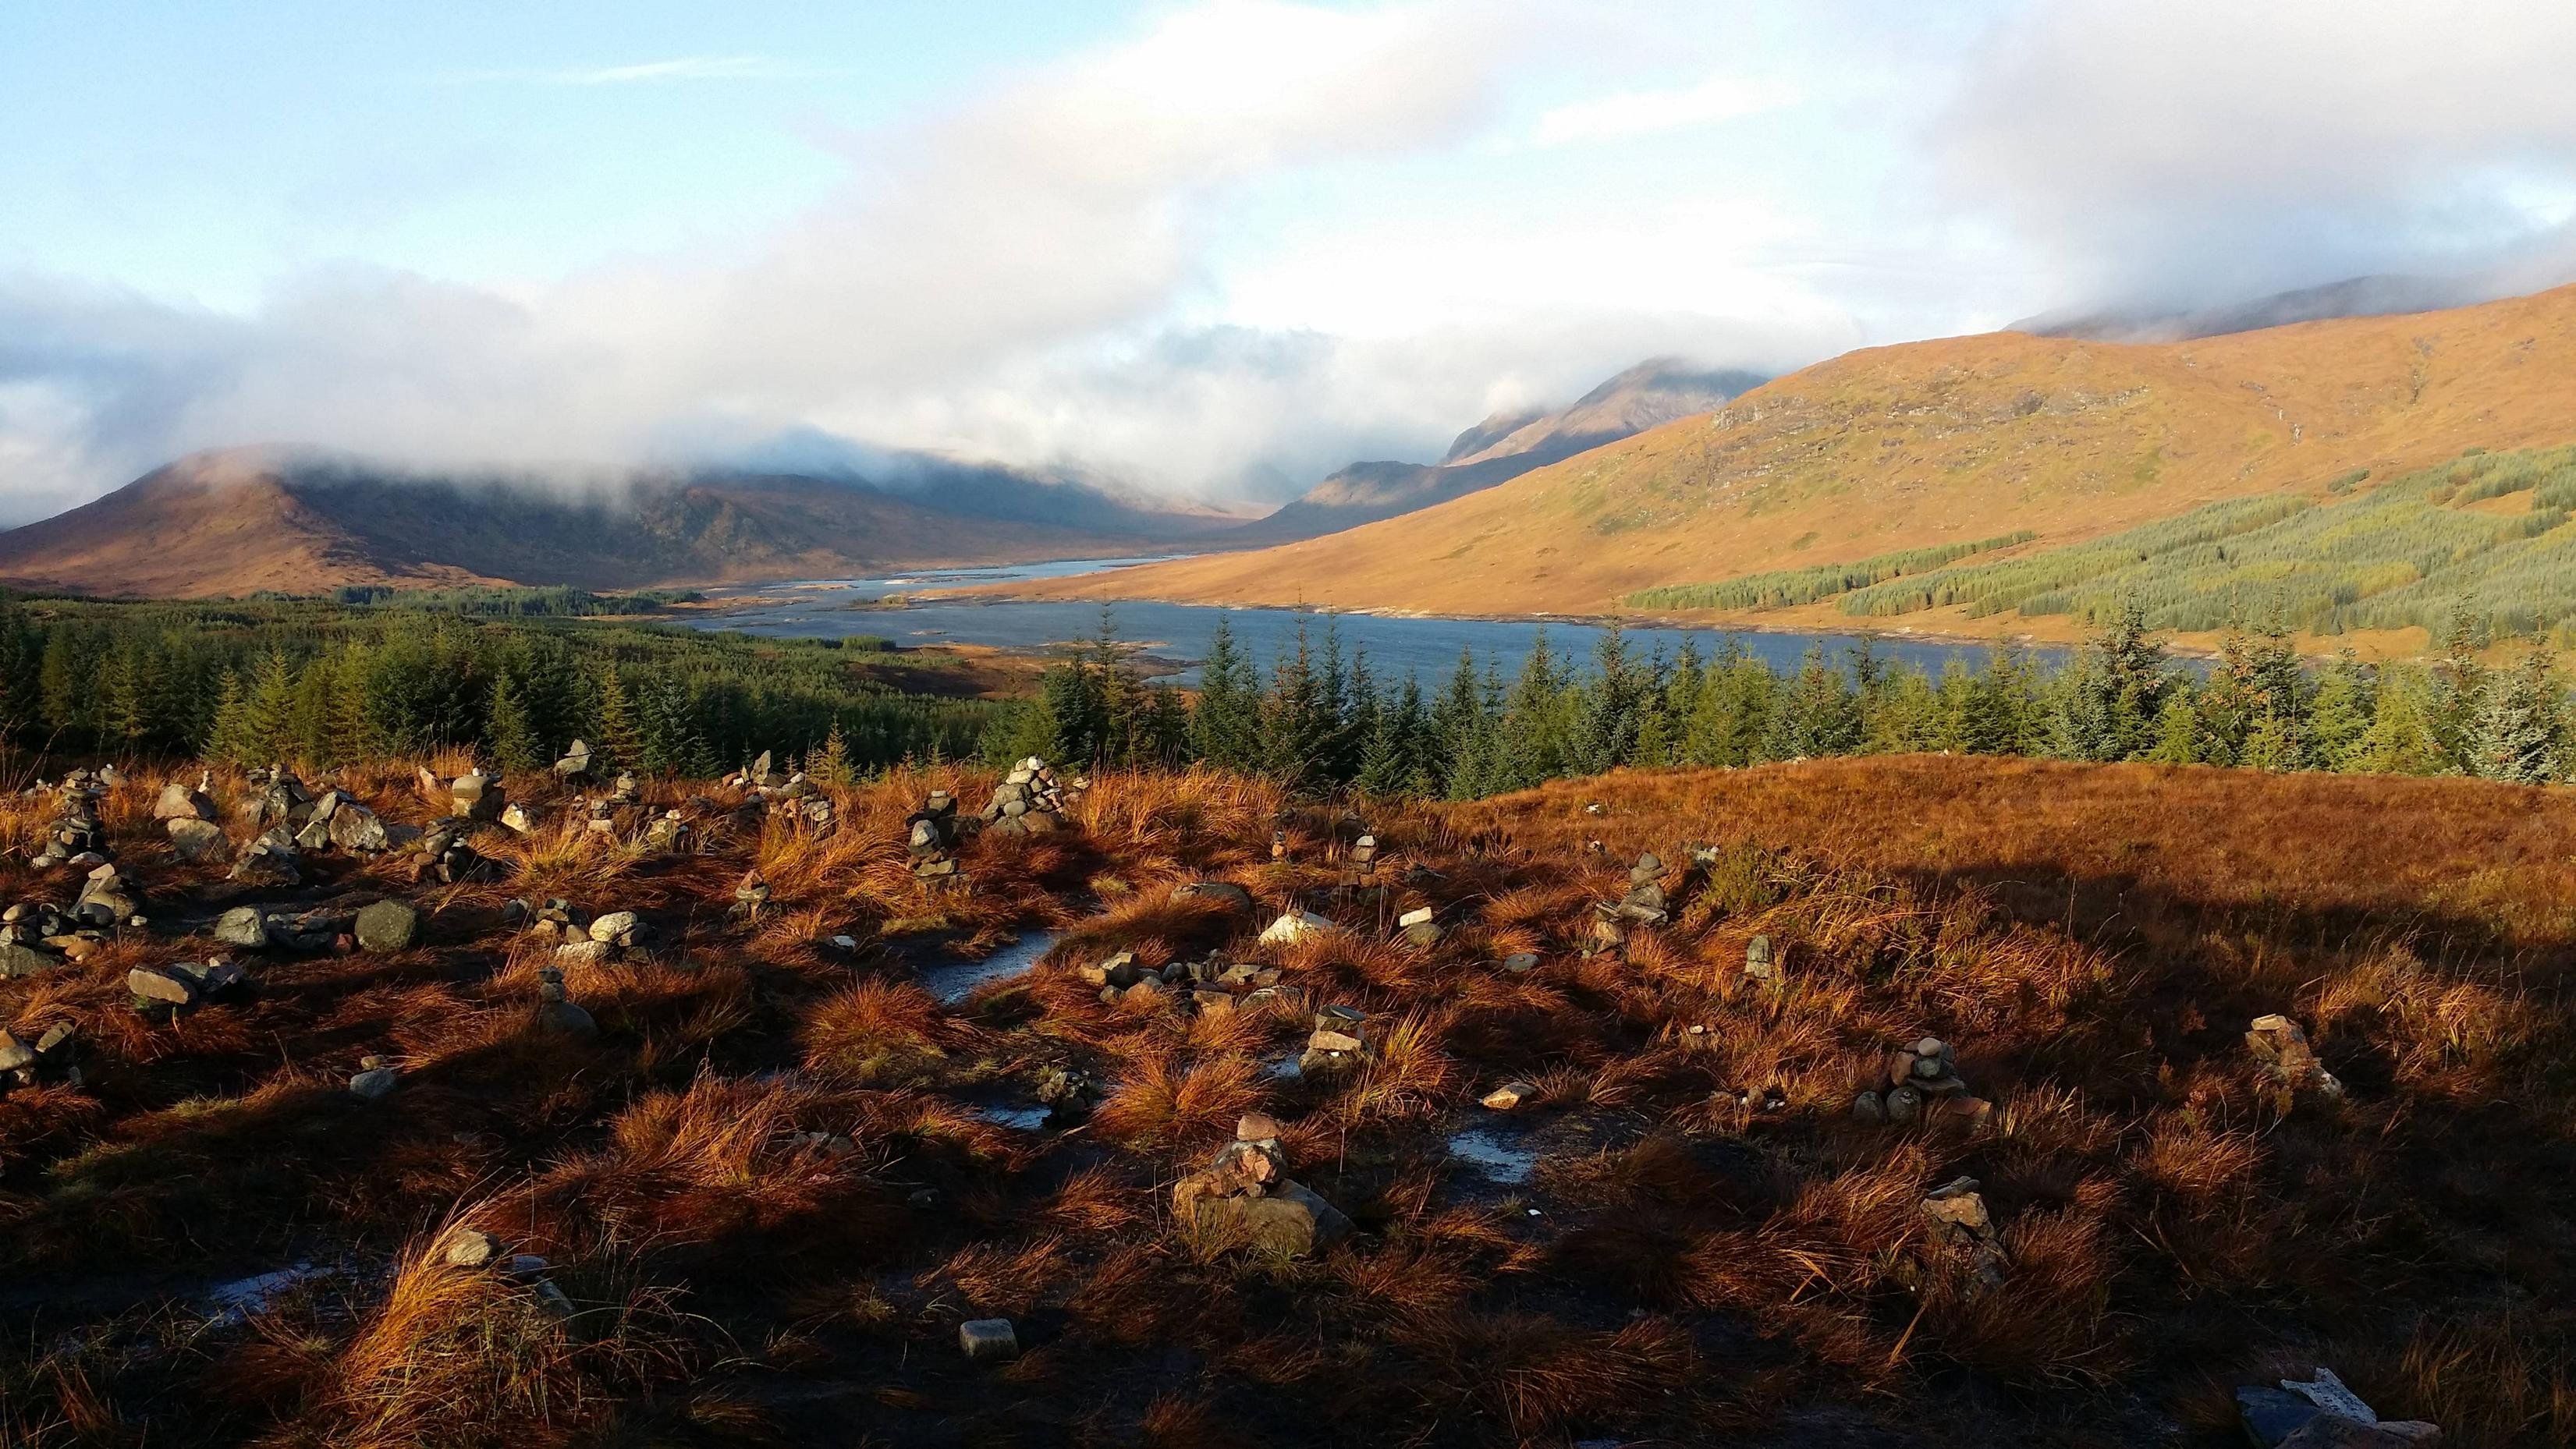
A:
198,842
1224,892
1288,1219
178,802
14,1053
1420,917
471,1248
375,1084
17,959
1256,1127
1509,1095
988,1340
1520,962
155,984
1294,926
1334,1041
617,928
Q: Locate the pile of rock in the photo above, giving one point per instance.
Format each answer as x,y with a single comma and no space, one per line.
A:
107,900
933,836
1419,928
377,1077
445,856
1215,984
671,834
190,818
608,937
613,814
337,821
50,1057
1363,863
1643,905
1961,1224
557,1012
36,937
751,895
253,929
76,835
279,799
477,1251
1923,1081
1245,1198
477,797
183,984
1068,1091
2283,1049
1339,1042
270,860
2324,1413
1027,802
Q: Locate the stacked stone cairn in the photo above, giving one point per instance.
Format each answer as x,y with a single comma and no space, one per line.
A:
1212,985
574,765
933,837
1643,905
190,818
1363,876
376,1079
1245,1198
1419,928
557,1012
50,1057
77,832
1923,1082
478,797
107,900
445,855
1027,802
2282,1048
610,936
1068,1092
751,895
670,833
611,814
1961,1224
1339,1042
319,929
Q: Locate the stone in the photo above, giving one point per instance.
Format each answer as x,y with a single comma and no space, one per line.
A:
2283,1047
1335,1041
1294,926
1869,1108
1757,959
1119,970
19,959
1521,962
2337,1431
15,1055
751,894
1223,892
159,984
1256,1127
1420,917
178,802
1288,1219
242,926
355,828
388,925
198,842
1509,1095
470,1248
1904,1104
617,928
988,1340
477,796
374,1083
575,763
268,862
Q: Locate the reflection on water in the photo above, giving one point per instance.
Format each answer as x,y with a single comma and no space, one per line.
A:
1178,633
954,981
1505,1162
1011,1114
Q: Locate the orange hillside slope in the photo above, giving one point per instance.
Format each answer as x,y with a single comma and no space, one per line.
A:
1931,442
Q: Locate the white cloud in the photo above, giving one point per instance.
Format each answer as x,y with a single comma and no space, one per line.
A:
1639,113
2216,146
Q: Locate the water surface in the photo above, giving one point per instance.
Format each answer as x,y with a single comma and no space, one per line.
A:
1178,634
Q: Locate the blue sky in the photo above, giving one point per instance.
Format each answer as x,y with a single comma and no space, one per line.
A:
1210,249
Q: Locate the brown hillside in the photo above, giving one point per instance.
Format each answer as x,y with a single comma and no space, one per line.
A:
1932,442
238,521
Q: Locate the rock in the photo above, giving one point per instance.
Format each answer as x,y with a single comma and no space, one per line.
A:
575,763
470,1248
15,1055
1256,1127
477,796
1757,959
374,1083
388,925
19,959
1288,1219
1294,926
2336,1431
1120,971
354,828
159,984
2280,1044
1223,892
988,1340
1521,962
178,802
1904,1104
198,842
1509,1095
242,926
268,862
1870,1109
1334,1041
617,928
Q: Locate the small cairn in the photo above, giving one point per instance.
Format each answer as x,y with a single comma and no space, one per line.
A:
557,1012
609,937
77,831
751,896
1363,873
1419,928
376,1079
670,833
1643,905
36,937
1922,1081
107,900
1759,964
1961,1224
478,797
1027,802
574,765
1245,1198
270,860
817,816
190,818
2283,1049
933,836
444,856
1339,1042
1068,1092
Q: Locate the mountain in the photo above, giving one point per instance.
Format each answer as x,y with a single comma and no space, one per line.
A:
1933,444
2376,296
1500,448
1056,498
237,521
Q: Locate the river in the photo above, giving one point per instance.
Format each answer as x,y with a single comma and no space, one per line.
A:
1177,634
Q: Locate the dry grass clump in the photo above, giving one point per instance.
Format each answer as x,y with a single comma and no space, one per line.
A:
783,1170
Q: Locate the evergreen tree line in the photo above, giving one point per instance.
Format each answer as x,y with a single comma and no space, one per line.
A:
323,684
1321,719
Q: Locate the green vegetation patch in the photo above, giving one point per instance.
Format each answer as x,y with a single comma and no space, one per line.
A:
1784,588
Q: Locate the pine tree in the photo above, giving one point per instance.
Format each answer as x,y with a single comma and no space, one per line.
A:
508,733
349,730
1820,716
2274,743
1392,764
2341,713
2402,739
269,709
1604,736
1225,725
1528,749
830,765
233,738
2178,732
616,738
2521,734
2459,698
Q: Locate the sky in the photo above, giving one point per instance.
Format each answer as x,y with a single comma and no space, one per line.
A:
1207,250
